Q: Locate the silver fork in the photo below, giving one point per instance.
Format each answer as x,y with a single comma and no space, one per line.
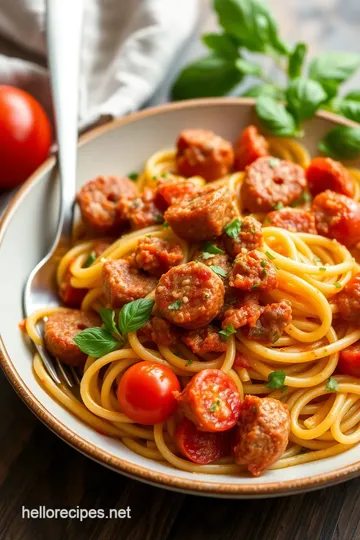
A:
63,30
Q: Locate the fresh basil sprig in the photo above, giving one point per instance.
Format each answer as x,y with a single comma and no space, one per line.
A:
97,341
276,379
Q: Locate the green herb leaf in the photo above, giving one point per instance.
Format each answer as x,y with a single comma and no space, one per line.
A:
165,225
276,379
248,68
304,98
134,315
274,117
334,66
214,406
96,342
316,259
264,263
342,142
278,206
189,362
296,60
268,90
332,385
269,256
211,248
108,319
158,219
207,77
349,108
222,44
337,285
133,176
233,228
205,255
354,95
175,305
322,269
226,332
218,270
91,258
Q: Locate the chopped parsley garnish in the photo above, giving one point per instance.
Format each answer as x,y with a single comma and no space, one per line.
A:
165,225
208,247
322,269
233,228
306,197
91,258
163,175
226,332
218,270
133,176
158,219
269,256
263,263
214,406
266,221
175,305
253,231
278,206
207,255
337,285
256,286
274,162
206,294
332,385
316,259
189,362
276,379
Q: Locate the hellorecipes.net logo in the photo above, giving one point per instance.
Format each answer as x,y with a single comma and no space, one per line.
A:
43,512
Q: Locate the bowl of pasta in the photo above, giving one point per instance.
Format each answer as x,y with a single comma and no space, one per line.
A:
209,304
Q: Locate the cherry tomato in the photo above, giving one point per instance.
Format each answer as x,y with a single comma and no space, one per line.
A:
349,360
146,393
25,136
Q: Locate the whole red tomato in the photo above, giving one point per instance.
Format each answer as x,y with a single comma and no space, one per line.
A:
25,136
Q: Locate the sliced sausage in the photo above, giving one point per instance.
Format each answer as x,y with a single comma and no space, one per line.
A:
156,256
205,340
141,210
262,434
292,219
190,295
269,182
202,153
174,191
325,173
123,283
159,331
272,322
211,400
253,271
337,217
349,360
203,217
98,203
219,262
250,237
348,300
244,313
249,147
198,446
60,330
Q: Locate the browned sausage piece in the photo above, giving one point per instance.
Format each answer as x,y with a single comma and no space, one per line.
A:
270,181
159,331
141,211
190,295
123,283
203,217
174,191
156,256
98,203
244,313
249,238
292,219
60,330
348,300
205,340
253,271
202,153
249,147
271,323
262,434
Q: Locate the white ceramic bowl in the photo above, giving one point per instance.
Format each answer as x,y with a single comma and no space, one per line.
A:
26,233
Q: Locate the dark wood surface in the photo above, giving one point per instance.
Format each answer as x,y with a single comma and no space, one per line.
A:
36,468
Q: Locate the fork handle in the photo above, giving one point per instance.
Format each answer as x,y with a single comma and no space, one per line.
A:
63,31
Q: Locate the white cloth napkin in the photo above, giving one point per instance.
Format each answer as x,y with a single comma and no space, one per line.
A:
127,47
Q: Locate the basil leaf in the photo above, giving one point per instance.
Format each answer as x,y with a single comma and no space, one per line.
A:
211,248
108,318
354,95
331,88
296,60
269,90
233,228
226,332
334,66
348,108
275,117
135,314
207,77
304,97
342,142
96,342
251,22
218,270
91,258
276,379
223,44
332,385
248,68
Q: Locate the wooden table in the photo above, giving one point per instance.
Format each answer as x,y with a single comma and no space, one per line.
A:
36,468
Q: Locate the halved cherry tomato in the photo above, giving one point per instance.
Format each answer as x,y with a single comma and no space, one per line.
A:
199,446
349,360
211,400
146,393
25,136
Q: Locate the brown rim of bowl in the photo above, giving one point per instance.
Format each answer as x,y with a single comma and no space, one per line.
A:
142,473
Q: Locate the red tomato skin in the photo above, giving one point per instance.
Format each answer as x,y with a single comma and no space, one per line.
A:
325,173
25,136
349,360
146,393
199,446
